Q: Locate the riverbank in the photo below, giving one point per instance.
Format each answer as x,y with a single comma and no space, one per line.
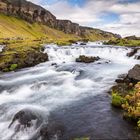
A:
126,95
21,55
128,42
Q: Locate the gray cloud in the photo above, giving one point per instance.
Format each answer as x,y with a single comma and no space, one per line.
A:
89,14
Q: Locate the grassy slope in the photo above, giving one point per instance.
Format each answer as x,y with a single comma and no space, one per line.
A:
124,42
11,27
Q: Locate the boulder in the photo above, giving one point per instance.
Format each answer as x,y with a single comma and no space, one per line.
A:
87,59
51,130
134,74
24,118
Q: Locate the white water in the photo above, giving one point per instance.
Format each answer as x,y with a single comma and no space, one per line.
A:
45,88
1,48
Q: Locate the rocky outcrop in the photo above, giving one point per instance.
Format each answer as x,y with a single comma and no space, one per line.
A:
33,13
134,74
86,59
10,61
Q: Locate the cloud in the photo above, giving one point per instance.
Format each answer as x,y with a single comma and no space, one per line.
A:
93,13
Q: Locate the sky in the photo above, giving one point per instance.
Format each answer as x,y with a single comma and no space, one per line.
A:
117,16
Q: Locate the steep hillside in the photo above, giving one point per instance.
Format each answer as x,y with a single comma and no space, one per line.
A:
34,14
11,27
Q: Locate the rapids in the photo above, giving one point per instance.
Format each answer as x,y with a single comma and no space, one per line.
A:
62,90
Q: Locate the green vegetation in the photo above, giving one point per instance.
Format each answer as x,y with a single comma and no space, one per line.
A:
13,67
124,42
15,30
130,103
117,100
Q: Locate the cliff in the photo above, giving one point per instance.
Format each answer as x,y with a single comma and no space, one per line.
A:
34,13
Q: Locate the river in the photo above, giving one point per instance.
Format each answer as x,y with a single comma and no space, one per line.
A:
72,94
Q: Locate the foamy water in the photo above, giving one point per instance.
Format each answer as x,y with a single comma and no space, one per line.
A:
47,87
1,48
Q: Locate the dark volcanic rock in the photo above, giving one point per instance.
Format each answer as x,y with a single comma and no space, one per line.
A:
25,118
133,52
134,74
51,130
137,57
86,59
22,59
83,43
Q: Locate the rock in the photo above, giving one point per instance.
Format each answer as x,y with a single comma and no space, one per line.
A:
51,130
54,64
133,52
25,118
22,59
121,78
83,43
86,59
121,88
134,74
38,85
137,57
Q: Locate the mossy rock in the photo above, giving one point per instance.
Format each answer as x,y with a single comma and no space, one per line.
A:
117,100
17,57
87,59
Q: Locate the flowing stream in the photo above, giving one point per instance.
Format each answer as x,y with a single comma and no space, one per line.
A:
69,93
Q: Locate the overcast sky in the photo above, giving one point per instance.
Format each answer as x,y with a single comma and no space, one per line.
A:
118,16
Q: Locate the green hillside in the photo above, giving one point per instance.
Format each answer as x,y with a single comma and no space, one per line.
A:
12,28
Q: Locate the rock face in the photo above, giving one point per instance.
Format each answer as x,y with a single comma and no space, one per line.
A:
34,13
134,74
86,59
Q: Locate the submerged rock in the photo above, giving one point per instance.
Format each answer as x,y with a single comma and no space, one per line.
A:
51,130
25,118
87,59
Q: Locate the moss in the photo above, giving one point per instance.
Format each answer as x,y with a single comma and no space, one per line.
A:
117,100
13,67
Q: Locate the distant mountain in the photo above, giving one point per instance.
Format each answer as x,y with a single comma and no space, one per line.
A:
34,13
